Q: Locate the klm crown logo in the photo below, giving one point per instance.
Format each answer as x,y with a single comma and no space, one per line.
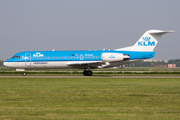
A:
38,54
146,38
111,56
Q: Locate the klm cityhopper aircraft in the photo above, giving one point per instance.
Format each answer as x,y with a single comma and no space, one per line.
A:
87,59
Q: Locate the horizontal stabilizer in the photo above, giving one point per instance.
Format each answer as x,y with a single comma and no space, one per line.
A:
161,32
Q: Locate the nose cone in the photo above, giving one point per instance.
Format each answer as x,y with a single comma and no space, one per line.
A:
5,64
10,63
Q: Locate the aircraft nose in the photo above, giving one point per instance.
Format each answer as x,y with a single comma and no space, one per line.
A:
6,64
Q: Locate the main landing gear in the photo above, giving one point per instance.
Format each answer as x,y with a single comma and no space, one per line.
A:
87,73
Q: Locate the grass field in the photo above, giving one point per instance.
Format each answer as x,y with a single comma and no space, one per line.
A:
89,98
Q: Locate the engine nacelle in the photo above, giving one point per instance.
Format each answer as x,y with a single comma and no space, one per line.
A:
113,57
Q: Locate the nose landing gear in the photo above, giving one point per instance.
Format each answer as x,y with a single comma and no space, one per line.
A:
87,73
24,73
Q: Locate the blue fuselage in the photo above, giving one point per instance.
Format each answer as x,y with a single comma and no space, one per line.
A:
81,59
80,55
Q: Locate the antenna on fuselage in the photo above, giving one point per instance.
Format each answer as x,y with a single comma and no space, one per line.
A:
53,49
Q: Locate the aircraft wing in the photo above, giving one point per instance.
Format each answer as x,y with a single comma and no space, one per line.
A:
85,64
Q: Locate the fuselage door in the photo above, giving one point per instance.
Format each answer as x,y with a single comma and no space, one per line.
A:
27,59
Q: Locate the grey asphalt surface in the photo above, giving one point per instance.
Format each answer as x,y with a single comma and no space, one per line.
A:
89,76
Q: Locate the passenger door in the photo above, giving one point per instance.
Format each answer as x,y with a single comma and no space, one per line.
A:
27,59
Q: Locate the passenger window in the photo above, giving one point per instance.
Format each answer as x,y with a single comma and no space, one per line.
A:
51,57
45,57
56,57
59,57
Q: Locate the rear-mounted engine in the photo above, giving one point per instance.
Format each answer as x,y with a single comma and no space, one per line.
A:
114,57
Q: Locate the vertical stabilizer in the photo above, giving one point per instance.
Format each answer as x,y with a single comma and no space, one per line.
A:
149,40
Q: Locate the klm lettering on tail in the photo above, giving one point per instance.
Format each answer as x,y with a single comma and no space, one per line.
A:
143,43
146,42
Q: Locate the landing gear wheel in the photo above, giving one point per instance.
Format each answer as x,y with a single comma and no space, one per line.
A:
24,73
87,73
84,73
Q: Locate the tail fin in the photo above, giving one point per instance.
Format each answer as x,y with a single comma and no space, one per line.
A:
149,40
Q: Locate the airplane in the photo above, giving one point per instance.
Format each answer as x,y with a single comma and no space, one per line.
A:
87,59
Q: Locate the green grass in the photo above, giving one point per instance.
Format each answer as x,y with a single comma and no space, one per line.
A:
89,98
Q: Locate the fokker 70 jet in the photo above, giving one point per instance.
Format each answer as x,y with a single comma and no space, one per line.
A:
87,59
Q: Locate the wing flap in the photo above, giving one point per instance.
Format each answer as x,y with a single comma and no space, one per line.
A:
83,63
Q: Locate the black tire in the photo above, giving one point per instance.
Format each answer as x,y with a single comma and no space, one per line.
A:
85,73
24,73
89,73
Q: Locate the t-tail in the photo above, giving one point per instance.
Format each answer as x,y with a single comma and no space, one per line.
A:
148,41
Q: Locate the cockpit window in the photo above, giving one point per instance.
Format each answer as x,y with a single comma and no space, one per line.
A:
17,57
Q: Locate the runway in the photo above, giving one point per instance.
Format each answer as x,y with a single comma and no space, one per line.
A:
89,76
